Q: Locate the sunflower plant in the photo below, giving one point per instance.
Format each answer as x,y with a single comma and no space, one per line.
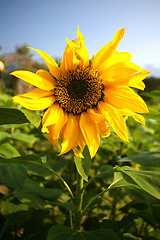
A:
83,101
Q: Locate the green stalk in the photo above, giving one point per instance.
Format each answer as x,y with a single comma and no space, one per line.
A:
78,203
91,201
61,179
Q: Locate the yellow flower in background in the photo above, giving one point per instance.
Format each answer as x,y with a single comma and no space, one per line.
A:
82,100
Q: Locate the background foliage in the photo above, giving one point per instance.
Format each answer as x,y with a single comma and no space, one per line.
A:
35,204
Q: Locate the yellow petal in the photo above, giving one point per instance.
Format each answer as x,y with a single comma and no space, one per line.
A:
125,98
46,75
80,140
54,116
35,79
118,57
58,118
81,51
51,137
90,132
104,130
37,93
69,62
139,118
70,134
115,119
51,64
85,60
107,50
95,115
136,79
119,74
34,104
77,153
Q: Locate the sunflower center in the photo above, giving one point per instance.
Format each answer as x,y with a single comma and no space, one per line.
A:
79,90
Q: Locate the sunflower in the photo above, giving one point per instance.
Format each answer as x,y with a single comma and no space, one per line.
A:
84,98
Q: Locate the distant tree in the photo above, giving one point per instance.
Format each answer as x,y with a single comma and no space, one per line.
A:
22,49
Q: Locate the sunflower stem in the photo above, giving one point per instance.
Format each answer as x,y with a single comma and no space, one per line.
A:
78,203
92,200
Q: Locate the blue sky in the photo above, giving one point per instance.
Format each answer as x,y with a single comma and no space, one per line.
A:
46,24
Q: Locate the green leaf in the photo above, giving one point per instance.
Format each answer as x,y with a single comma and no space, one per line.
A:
17,116
28,138
147,159
9,207
129,236
23,159
35,159
12,176
122,180
59,232
153,114
104,233
84,236
83,164
8,151
35,195
105,170
39,170
32,117
149,181
58,164
4,135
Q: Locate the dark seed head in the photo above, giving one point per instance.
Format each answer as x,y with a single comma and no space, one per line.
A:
79,90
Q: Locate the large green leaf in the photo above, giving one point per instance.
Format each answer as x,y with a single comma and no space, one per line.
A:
83,164
35,195
9,207
105,233
12,176
59,232
12,170
8,151
147,159
149,181
4,135
34,159
28,138
23,159
58,163
19,116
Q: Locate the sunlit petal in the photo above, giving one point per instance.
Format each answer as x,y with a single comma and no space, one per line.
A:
136,79
69,134
37,93
69,61
126,98
115,119
90,132
35,79
35,104
107,50
52,65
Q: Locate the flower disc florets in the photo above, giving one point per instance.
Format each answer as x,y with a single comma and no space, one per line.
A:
79,90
